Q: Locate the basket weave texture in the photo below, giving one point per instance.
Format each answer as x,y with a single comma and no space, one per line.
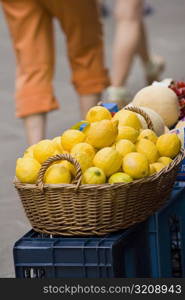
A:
82,210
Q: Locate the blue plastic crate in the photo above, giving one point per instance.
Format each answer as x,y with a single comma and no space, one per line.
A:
112,107
154,249
123,254
166,237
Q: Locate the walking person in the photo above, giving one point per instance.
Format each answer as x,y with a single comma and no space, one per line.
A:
31,27
130,40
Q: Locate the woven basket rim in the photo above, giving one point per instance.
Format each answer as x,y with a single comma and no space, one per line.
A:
73,210
147,179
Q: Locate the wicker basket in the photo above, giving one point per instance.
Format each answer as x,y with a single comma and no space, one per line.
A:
82,210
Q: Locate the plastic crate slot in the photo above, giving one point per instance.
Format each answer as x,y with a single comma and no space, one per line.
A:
33,272
31,265
154,246
176,259
160,236
26,273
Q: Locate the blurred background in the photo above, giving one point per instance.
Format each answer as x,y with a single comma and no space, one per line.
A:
165,27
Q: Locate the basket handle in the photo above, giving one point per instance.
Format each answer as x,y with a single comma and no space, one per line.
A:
143,114
49,161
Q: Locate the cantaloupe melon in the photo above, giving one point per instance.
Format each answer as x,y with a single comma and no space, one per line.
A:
160,99
166,129
157,121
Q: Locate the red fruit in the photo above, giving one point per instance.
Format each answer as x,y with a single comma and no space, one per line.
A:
174,88
178,92
182,101
183,90
180,84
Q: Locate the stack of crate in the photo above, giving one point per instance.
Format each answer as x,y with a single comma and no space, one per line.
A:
153,249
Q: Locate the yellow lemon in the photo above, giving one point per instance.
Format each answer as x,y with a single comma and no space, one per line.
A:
78,125
124,147
27,169
98,113
94,175
148,134
157,166
65,163
29,151
56,174
82,181
128,133
128,118
108,159
43,150
28,154
101,134
180,132
84,160
56,152
120,177
165,160
136,165
168,145
69,166
57,144
71,137
83,147
151,169
149,149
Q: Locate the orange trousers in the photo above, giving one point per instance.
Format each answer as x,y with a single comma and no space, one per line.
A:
31,27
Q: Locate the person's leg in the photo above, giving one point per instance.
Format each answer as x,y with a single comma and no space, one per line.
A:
32,34
128,20
128,15
130,39
143,48
88,101
153,65
35,128
81,24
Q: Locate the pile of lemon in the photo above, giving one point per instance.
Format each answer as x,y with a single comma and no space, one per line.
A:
109,150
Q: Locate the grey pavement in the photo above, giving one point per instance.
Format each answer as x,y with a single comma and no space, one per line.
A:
166,35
